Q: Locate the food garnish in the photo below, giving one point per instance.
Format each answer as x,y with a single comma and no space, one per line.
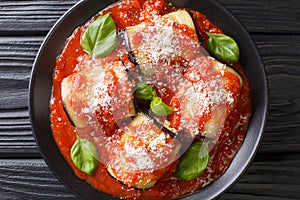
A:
84,155
100,37
223,47
145,102
193,162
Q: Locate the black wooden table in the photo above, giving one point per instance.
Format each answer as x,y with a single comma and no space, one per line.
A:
275,27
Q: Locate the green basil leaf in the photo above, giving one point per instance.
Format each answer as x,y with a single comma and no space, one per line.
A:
84,155
193,162
223,47
100,37
159,108
144,91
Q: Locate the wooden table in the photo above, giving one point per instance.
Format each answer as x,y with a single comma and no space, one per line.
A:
275,28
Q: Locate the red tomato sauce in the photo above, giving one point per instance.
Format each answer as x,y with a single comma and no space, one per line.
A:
129,13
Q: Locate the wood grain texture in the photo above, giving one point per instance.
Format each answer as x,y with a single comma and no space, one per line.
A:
268,16
31,17
37,17
269,177
16,58
281,58
32,179
274,173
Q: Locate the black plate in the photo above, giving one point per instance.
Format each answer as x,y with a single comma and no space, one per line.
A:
41,83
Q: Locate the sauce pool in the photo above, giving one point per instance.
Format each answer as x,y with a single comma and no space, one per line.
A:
128,13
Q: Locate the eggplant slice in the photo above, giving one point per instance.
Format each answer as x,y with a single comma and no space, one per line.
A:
204,87
205,91
207,88
97,89
143,154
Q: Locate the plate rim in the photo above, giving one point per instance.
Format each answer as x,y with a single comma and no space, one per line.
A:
206,190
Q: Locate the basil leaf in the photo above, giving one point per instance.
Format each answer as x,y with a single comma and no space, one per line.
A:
144,91
223,47
159,108
100,37
193,162
84,155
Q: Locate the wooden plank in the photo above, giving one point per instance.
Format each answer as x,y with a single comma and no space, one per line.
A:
281,55
32,179
16,139
37,17
16,58
268,177
281,58
31,17
271,16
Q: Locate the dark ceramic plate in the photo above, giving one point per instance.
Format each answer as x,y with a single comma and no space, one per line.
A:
40,92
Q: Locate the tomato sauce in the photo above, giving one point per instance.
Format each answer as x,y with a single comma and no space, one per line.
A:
128,13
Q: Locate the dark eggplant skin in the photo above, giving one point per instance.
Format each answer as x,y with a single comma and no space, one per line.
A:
69,118
123,36
201,41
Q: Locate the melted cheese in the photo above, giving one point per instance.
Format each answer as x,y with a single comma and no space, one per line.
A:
205,88
181,17
143,154
96,88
